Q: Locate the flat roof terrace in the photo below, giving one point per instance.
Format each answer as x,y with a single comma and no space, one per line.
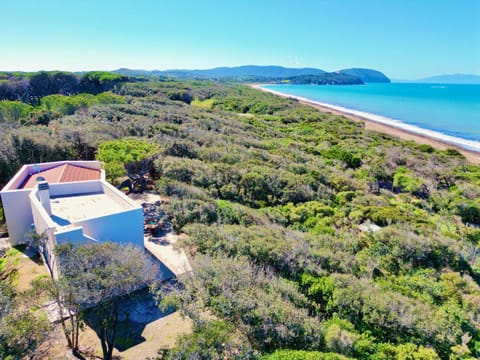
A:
70,209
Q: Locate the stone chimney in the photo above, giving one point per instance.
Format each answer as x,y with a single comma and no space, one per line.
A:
44,194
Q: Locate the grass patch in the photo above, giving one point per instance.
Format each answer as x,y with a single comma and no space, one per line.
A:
11,258
10,263
18,270
204,104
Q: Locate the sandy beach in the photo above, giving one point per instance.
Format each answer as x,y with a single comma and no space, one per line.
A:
375,123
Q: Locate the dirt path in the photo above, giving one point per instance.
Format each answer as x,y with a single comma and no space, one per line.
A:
163,246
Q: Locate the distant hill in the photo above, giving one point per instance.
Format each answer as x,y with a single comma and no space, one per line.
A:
247,71
452,79
261,73
324,79
367,75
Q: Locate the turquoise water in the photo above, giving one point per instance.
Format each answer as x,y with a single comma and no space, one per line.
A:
452,110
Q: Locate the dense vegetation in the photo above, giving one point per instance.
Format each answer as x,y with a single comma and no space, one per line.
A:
32,87
22,326
325,79
273,196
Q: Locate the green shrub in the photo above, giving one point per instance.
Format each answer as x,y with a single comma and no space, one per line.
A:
302,355
116,153
214,339
336,152
405,180
469,211
406,351
13,111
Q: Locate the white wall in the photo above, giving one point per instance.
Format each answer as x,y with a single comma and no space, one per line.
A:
18,214
78,187
72,235
44,226
43,221
17,179
125,227
118,196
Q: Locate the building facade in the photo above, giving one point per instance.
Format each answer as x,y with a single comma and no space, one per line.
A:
69,201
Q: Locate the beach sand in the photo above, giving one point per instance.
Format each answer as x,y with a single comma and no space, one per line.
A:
471,156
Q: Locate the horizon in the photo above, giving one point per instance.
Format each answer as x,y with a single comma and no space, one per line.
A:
403,40
195,69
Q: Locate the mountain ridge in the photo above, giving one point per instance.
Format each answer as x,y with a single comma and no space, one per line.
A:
452,79
367,75
256,73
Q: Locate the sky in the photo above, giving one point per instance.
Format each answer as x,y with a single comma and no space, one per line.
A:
405,39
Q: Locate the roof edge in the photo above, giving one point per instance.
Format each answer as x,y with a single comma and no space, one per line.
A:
28,170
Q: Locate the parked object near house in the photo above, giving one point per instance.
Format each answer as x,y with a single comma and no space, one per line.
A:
69,201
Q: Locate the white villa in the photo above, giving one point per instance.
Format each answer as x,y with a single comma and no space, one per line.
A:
69,201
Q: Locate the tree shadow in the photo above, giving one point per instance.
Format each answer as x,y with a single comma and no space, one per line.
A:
164,273
135,312
30,252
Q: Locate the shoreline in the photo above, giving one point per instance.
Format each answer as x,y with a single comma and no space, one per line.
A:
392,127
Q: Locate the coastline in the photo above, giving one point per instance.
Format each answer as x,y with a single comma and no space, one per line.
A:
395,128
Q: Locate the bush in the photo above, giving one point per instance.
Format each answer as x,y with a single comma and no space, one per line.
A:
336,152
470,212
13,111
190,211
214,339
404,180
302,355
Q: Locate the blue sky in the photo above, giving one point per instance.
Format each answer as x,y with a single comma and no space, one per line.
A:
406,39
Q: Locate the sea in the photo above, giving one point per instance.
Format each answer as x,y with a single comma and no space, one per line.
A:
446,112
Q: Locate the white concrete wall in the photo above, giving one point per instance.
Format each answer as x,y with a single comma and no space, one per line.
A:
91,164
42,220
118,196
125,227
44,226
17,179
72,235
78,187
18,214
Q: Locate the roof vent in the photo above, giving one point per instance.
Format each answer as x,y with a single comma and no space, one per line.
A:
40,178
43,185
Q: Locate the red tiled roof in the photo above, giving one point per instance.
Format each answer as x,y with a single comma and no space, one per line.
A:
61,174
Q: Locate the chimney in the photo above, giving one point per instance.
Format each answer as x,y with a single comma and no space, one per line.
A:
44,194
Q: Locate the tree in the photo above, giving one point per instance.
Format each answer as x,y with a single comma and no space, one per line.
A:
136,172
68,303
12,111
269,312
95,278
95,82
20,329
54,82
115,154
39,242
